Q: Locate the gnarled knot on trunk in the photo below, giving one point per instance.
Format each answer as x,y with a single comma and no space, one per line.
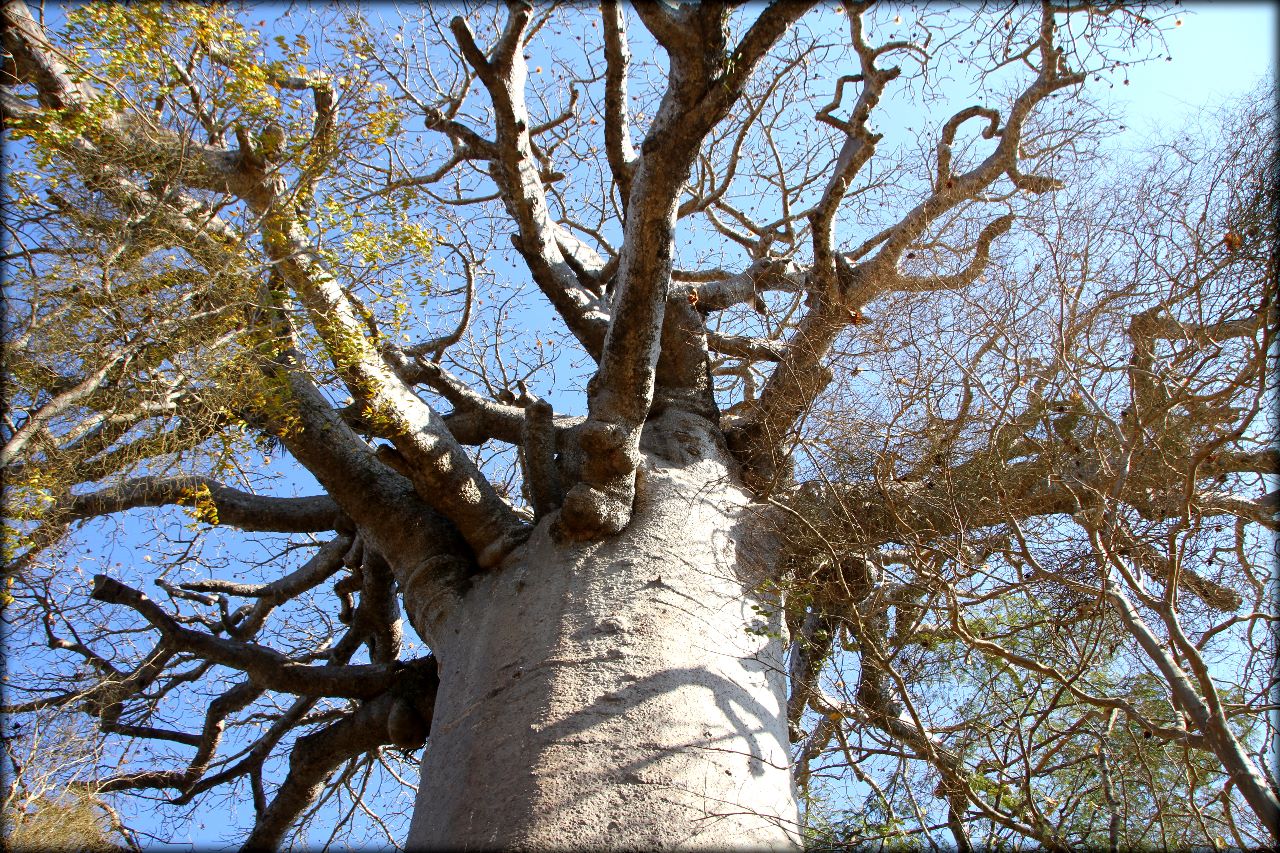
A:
608,447
406,728
429,587
600,504
589,512
413,703
766,463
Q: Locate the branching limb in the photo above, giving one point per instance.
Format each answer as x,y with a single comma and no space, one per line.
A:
336,456
322,144
841,288
706,78
1203,708
322,566
440,469
475,418
234,700
954,188
751,349
539,240
237,172
216,503
838,290
745,287
967,276
858,146
265,667
426,552
401,717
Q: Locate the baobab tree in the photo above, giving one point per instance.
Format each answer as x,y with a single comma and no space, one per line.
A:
696,428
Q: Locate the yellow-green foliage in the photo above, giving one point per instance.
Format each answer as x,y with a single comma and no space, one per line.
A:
67,822
388,254
200,504
136,45
48,801
188,332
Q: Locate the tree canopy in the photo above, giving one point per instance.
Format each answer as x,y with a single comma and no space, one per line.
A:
314,323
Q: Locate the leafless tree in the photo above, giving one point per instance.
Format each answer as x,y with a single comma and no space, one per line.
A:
1073,507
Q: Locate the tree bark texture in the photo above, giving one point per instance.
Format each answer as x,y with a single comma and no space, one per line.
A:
624,693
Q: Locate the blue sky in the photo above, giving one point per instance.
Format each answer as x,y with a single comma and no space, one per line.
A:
1220,51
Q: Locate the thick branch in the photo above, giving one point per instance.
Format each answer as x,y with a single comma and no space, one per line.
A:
704,81
515,170
401,717
424,549
746,286
795,383
211,499
1218,732
121,137
751,349
617,125
541,472
440,469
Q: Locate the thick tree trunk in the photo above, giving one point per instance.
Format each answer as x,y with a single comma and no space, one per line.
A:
620,693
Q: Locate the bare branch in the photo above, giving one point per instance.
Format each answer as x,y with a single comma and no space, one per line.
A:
617,125
401,717
265,667
515,170
228,506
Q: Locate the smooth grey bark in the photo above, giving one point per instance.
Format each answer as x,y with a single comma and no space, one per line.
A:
623,693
